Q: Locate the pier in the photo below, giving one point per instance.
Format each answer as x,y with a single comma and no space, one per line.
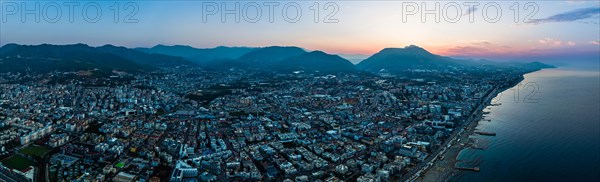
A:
486,133
476,169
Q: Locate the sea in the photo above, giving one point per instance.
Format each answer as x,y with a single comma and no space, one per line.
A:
547,129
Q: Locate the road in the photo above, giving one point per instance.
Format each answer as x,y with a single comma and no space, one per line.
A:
42,168
6,178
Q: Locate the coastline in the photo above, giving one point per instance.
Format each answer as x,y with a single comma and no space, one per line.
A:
444,169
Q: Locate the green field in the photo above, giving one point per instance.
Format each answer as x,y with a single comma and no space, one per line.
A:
120,165
33,150
17,162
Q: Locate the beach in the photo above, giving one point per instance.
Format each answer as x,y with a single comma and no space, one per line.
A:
527,128
444,169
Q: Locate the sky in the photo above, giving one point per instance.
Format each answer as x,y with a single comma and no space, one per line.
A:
550,31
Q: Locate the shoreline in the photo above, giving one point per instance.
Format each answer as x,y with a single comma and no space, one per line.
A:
444,169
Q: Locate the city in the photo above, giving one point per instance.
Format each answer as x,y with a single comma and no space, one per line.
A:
181,123
299,91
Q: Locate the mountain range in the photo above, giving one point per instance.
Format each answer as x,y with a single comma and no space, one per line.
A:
81,57
202,57
77,57
277,58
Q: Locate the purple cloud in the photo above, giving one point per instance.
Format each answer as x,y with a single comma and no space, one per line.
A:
578,14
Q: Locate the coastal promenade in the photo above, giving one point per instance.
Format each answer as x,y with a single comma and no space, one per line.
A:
466,126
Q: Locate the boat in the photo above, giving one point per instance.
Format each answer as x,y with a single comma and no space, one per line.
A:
485,133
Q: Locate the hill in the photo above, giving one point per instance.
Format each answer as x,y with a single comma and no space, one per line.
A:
316,61
80,57
401,59
266,58
156,60
76,57
202,57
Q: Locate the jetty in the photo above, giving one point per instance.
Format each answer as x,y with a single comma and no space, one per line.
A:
486,133
476,169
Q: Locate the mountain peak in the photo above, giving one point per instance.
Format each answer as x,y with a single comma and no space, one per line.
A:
111,46
399,59
318,53
411,49
412,46
167,46
282,48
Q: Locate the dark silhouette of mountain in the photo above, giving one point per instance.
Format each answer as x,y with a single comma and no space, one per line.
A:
266,58
157,60
175,50
526,67
315,61
8,47
520,65
538,65
203,57
401,59
76,57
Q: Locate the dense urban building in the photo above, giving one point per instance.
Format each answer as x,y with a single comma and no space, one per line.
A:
190,124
